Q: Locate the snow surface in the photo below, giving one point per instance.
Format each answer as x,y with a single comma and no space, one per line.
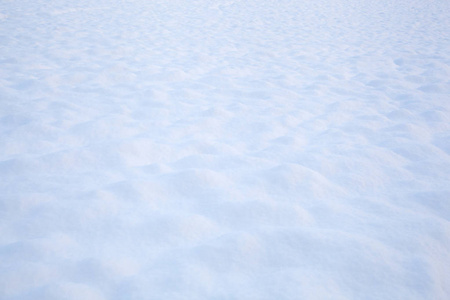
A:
224,149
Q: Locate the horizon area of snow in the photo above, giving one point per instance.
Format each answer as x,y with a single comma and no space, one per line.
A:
224,149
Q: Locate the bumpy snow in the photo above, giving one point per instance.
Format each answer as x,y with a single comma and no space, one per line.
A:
224,149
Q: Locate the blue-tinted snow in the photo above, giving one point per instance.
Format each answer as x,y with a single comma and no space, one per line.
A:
224,149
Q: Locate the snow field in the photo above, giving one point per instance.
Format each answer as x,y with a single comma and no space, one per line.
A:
224,149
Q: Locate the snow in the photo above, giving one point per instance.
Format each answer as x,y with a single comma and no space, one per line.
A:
226,149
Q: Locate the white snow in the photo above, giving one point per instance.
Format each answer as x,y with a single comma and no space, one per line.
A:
224,149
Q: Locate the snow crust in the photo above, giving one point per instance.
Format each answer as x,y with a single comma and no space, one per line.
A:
224,149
